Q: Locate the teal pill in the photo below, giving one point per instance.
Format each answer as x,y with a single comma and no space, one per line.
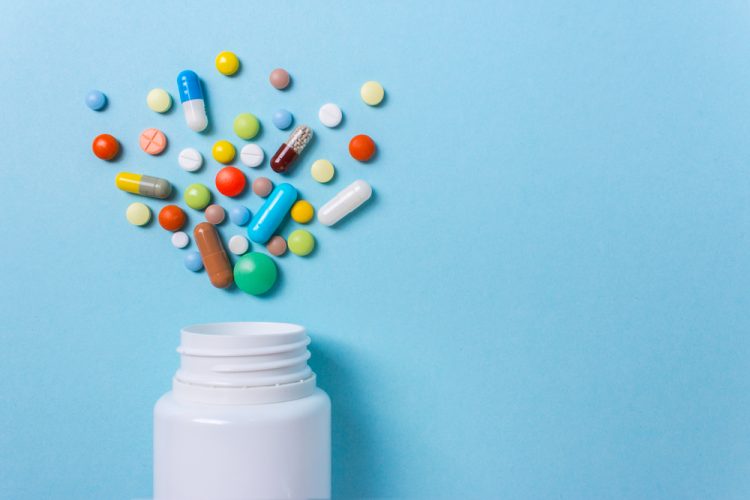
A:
255,273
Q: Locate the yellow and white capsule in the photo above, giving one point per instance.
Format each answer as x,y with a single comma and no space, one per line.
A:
144,185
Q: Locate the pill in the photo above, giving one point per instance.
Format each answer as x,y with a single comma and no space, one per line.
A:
372,93
322,171
193,261
153,141
96,100
190,159
361,147
138,214
345,202
282,119
172,218
239,215
191,97
227,63
159,100
214,257
180,239
330,115
302,212
252,155
279,79
262,186
144,185
267,220
291,149
197,196
230,181
223,152
301,242
246,125
255,273
276,246
105,147
238,244
214,214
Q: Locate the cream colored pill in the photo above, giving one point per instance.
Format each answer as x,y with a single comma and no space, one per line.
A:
330,115
322,171
138,214
238,244
190,159
180,239
252,155
159,100
372,93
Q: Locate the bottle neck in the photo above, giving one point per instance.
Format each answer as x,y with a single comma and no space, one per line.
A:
243,363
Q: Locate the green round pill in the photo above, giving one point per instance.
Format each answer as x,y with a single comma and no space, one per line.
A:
246,125
301,242
255,273
197,196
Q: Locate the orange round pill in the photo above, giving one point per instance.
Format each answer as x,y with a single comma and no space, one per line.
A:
172,218
153,141
361,147
105,147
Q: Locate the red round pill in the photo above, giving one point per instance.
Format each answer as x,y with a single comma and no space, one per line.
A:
105,147
230,181
361,147
172,218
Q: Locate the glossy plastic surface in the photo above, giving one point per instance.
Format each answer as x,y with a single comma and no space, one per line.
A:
214,257
143,185
267,220
345,202
191,97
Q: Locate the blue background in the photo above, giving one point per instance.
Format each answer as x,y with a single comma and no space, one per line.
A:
547,297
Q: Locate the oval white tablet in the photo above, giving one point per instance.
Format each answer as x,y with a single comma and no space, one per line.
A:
252,155
238,244
180,239
330,115
190,159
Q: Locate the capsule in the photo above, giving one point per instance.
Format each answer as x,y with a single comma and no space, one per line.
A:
291,149
267,220
344,203
191,97
144,185
214,257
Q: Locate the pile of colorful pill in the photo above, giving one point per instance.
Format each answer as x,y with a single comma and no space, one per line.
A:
253,272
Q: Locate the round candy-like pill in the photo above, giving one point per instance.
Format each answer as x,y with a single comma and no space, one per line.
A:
180,239
172,218
197,196
159,100
138,214
214,214
251,155
301,242
227,63
105,146
302,211
279,78
238,244
276,246
193,261
190,159
223,151
361,147
262,186
153,141
322,171
246,125
330,115
372,93
255,273
239,215
96,100
230,181
282,119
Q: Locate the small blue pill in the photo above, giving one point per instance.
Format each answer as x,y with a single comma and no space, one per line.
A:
239,215
193,261
282,119
96,100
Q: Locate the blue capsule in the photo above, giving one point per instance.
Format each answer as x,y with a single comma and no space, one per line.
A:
268,219
191,97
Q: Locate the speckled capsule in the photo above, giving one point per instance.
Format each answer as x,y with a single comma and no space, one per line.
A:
291,149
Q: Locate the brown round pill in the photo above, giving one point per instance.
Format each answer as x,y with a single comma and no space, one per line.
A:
279,78
214,214
276,246
262,186
214,257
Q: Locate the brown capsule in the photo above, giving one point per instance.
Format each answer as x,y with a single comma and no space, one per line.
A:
214,257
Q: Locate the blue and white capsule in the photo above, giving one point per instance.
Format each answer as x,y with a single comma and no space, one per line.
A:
191,97
270,216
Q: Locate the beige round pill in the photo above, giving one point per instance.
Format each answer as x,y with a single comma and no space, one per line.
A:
372,93
138,214
322,171
159,100
276,246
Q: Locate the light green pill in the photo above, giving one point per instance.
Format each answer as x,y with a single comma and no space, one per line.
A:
322,171
197,196
246,125
138,214
301,242
159,100
255,273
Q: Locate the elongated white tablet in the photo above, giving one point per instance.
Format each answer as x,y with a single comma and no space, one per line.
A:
344,203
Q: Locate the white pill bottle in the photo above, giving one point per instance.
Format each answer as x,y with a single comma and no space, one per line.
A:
244,419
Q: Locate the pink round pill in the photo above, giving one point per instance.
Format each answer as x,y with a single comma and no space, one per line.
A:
153,141
279,78
262,186
214,214
276,246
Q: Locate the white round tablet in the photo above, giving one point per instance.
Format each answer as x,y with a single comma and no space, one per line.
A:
190,159
180,239
238,245
251,155
330,115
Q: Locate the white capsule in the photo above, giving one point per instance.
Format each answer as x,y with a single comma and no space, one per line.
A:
195,114
345,202
191,97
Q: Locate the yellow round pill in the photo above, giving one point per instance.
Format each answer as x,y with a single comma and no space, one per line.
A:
227,63
302,212
138,214
372,93
322,171
159,100
223,152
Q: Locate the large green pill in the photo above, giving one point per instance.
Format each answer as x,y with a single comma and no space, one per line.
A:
197,196
255,273
246,125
